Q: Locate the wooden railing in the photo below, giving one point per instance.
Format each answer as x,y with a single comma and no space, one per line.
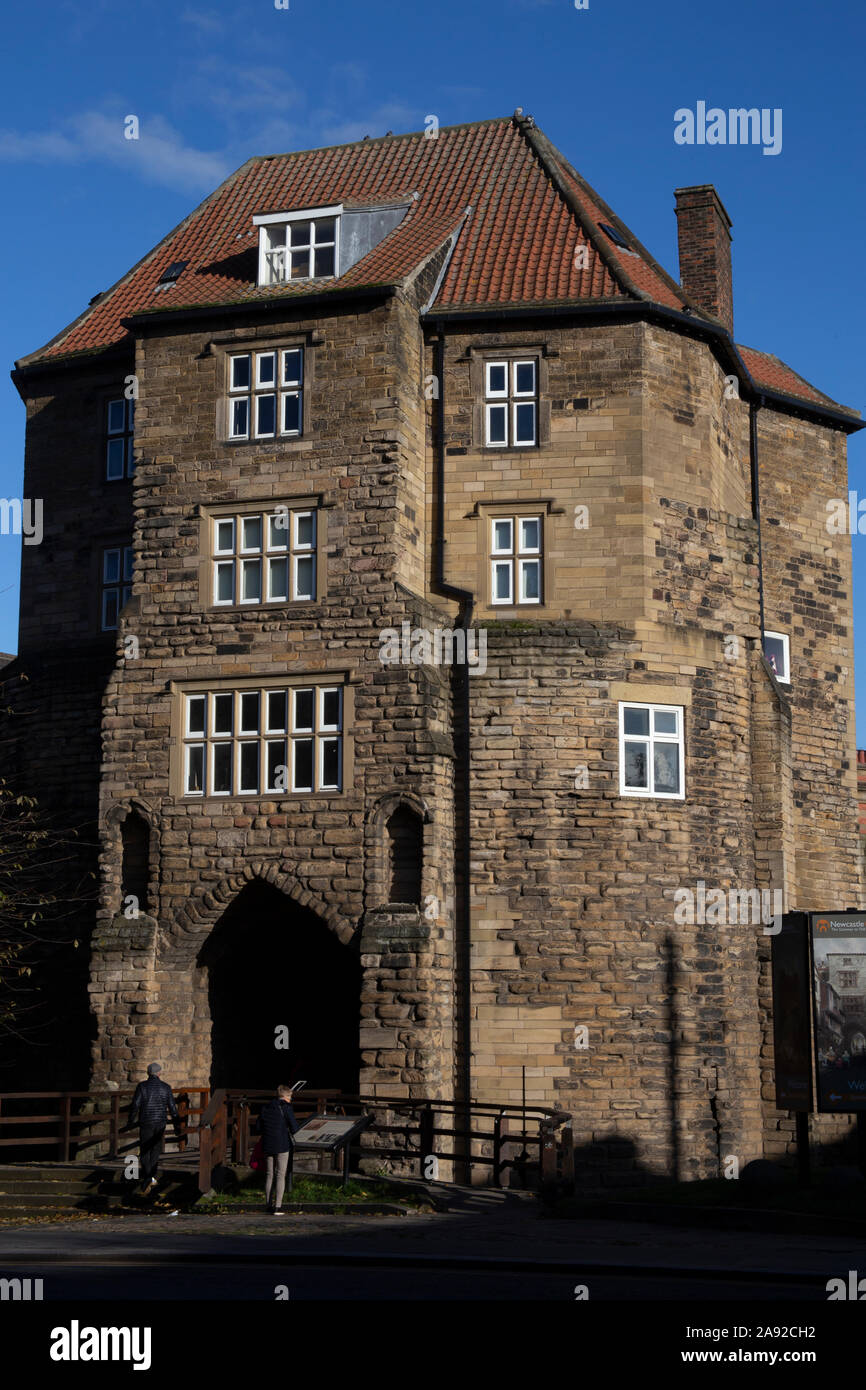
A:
213,1140
447,1130
76,1126
467,1135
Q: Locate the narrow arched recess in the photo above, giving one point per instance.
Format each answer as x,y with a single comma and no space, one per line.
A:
404,846
135,860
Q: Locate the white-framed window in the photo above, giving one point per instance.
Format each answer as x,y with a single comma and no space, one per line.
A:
299,246
515,559
511,403
651,750
120,433
116,583
254,740
266,393
777,650
264,557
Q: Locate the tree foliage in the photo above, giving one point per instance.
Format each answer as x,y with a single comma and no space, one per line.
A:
42,889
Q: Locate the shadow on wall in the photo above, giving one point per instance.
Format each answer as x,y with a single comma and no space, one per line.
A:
611,1167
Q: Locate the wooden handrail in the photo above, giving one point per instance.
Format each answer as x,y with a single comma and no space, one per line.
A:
96,1126
128,1090
212,1139
423,1127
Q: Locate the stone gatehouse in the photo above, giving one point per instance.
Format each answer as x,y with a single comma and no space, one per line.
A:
407,385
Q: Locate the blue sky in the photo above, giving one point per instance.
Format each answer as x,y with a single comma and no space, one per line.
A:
215,83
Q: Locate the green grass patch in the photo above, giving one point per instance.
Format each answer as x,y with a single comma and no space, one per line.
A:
312,1188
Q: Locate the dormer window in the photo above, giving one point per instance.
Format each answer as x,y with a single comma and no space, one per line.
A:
299,246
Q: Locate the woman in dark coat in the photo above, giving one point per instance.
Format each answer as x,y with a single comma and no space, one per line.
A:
276,1125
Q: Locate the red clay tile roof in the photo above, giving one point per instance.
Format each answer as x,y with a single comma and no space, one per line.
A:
768,371
530,211
634,267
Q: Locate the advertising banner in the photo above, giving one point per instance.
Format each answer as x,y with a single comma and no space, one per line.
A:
839,992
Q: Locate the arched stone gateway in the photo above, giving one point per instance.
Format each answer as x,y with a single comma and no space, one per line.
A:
207,992
204,989
283,995
199,914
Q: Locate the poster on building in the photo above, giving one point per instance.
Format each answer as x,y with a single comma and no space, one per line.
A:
839,991
792,1029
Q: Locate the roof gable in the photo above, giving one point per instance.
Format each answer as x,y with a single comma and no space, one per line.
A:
517,246
525,228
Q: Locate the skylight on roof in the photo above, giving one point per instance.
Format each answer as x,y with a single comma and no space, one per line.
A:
172,274
616,237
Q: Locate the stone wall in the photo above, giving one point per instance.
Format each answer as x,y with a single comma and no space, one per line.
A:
362,419
52,692
585,985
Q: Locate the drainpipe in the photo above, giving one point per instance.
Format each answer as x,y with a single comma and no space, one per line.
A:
754,407
462,750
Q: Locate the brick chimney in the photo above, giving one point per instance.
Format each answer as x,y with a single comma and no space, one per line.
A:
704,235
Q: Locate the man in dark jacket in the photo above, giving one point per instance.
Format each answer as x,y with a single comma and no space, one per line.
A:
148,1110
276,1124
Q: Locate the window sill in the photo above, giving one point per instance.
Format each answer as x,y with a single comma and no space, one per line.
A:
238,800
297,280
632,795
501,449
277,605
266,439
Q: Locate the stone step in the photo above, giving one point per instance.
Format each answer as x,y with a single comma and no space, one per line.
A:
39,1188
90,1197
83,1178
19,1211
105,1190
58,1190
87,1173
52,1171
36,1200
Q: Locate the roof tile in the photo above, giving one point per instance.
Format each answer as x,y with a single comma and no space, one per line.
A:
520,210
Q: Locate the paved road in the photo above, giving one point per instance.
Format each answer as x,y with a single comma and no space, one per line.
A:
342,1283
485,1248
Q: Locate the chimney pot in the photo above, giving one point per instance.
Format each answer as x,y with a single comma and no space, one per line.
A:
704,236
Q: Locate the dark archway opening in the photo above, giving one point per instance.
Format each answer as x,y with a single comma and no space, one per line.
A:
405,844
135,859
272,965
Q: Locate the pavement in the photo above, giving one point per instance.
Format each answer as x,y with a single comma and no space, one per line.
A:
486,1244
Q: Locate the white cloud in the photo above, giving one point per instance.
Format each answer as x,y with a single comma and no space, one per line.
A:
160,154
232,90
201,20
